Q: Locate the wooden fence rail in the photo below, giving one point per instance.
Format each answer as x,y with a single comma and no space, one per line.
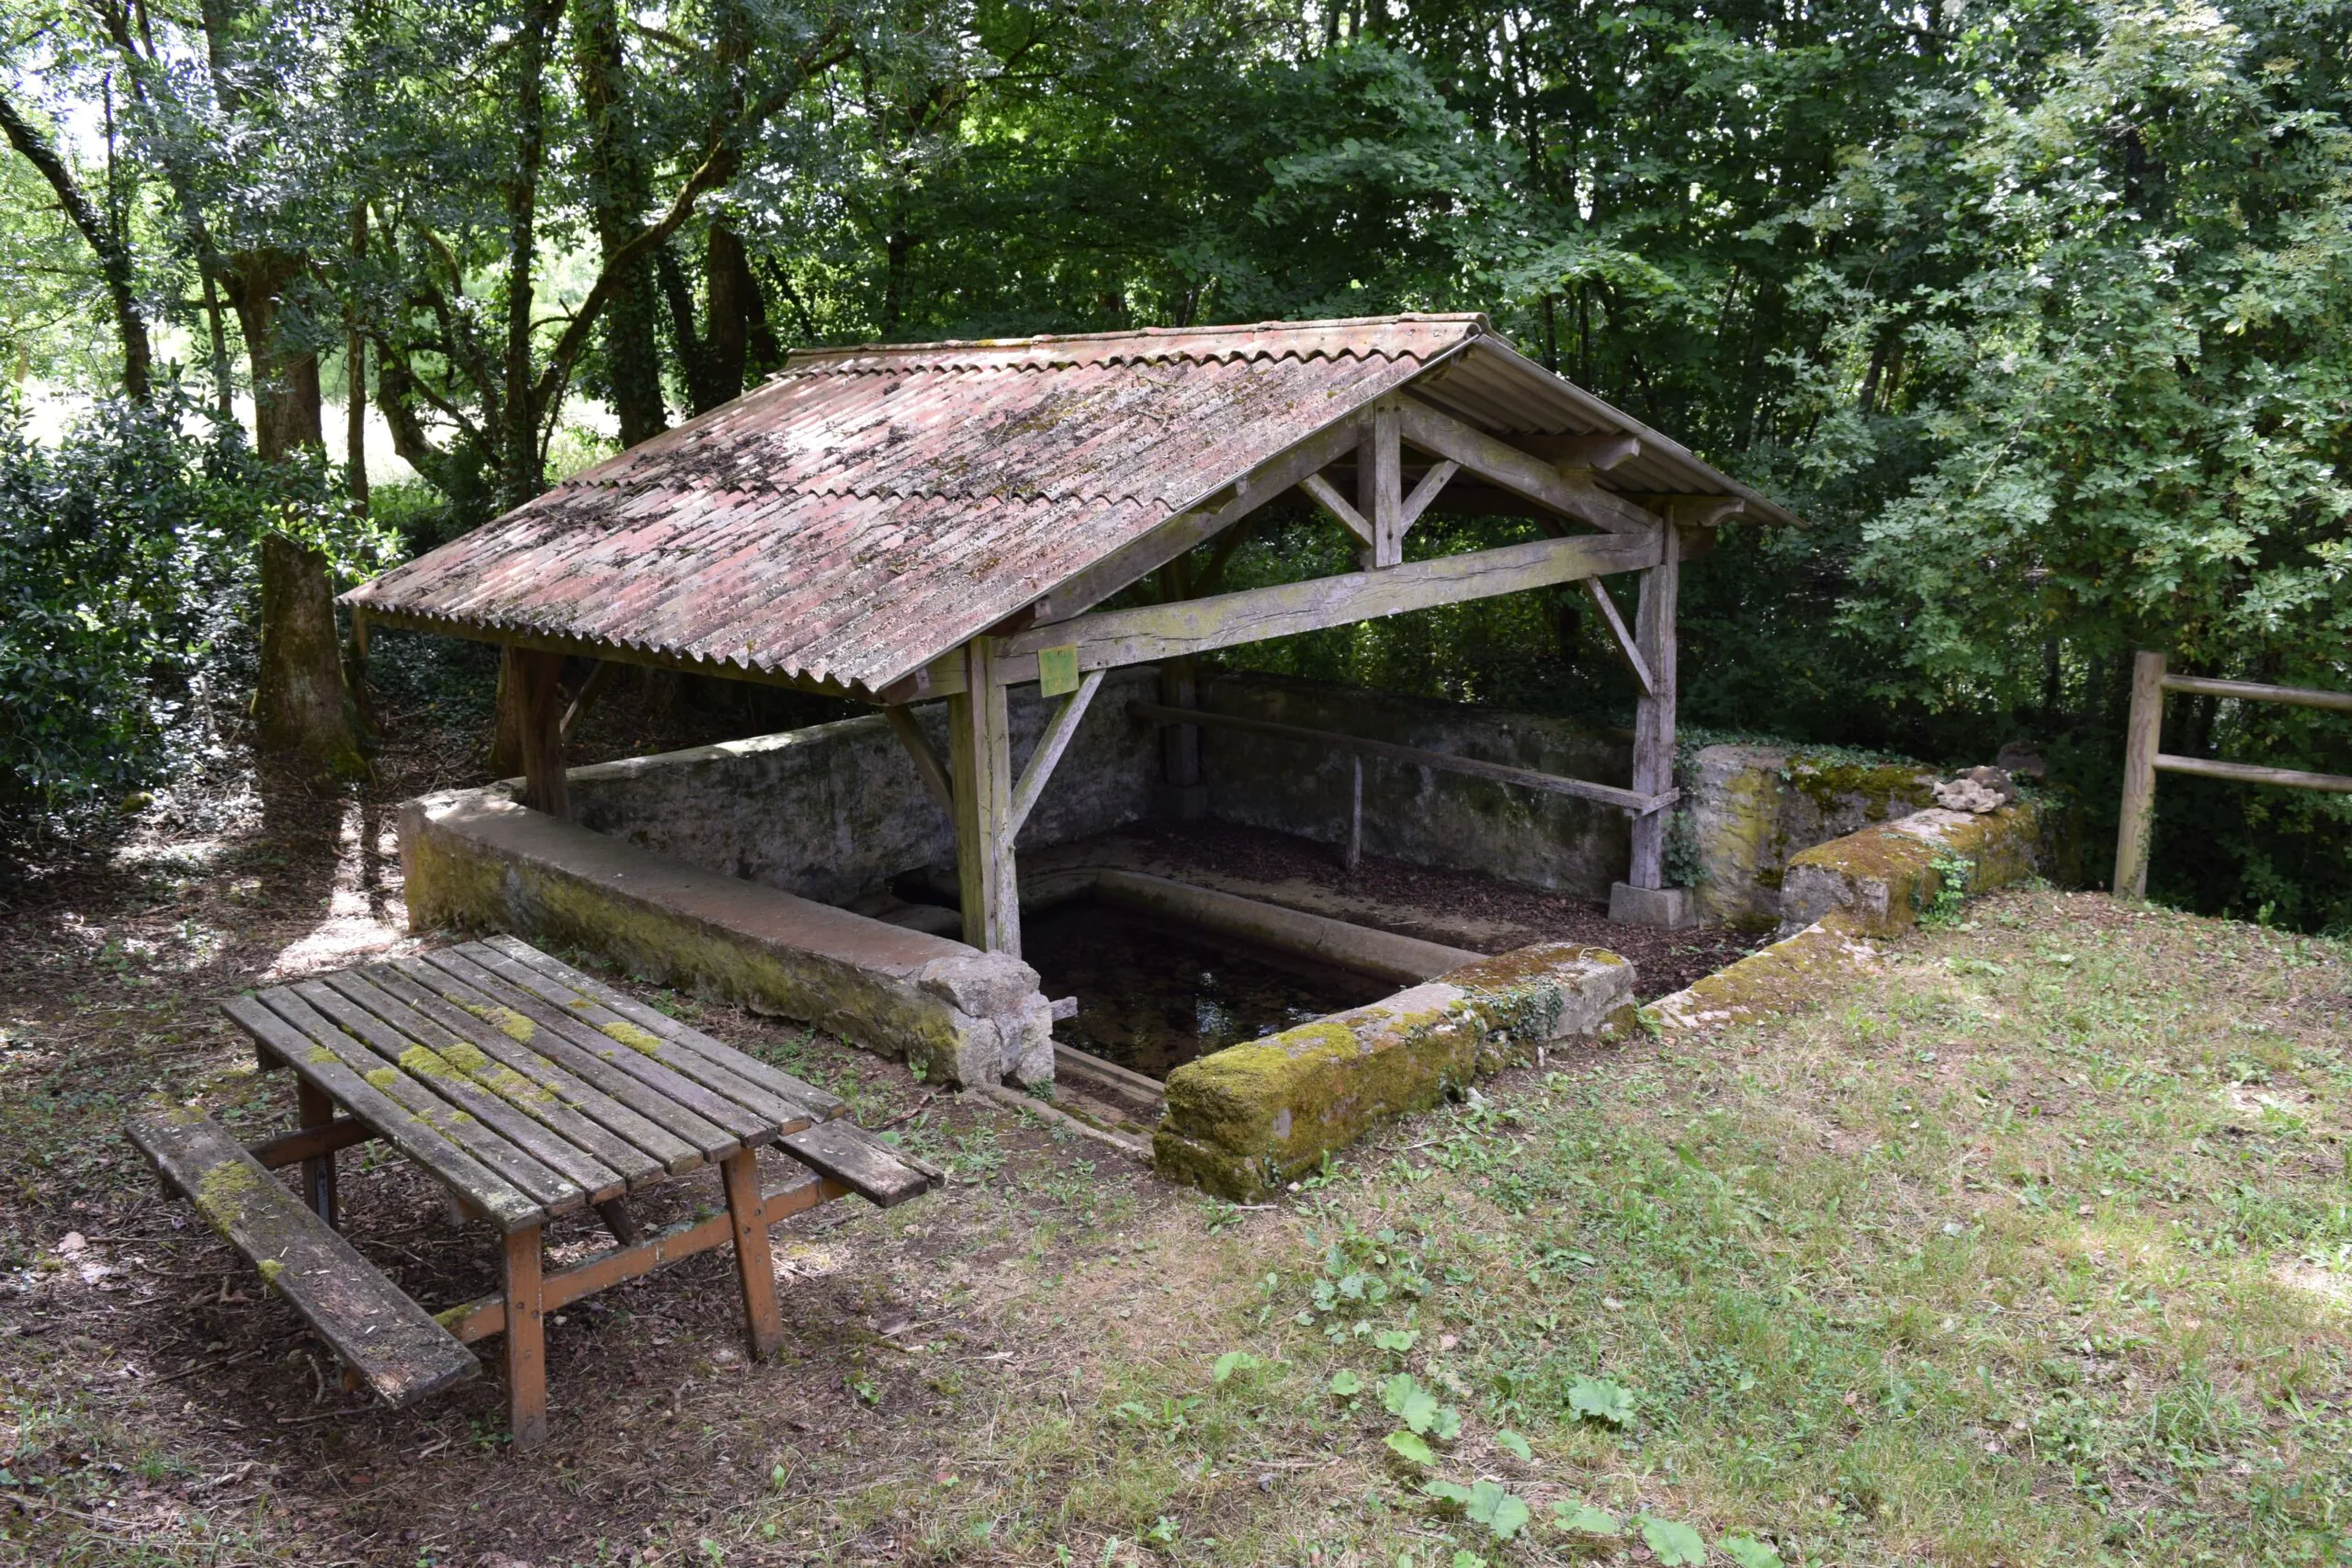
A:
2143,761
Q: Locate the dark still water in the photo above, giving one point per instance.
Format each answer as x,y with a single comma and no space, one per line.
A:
1152,996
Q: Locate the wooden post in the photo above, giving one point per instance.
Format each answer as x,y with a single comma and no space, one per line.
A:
2138,818
529,681
527,1353
1380,489
1182,799
981,737
318,1171
1355,820
1654,713
741,1173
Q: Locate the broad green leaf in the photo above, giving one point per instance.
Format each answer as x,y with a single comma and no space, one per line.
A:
1448,1492
1503,1513
1233,1362
1603,1400
1467,1558
1410,1447
1676,1546
1398,1339
1405,1398
1345,1384
1514,1445
1446,1425
1583,1518
1748,1551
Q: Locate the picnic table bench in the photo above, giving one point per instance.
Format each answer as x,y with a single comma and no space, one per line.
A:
529,1090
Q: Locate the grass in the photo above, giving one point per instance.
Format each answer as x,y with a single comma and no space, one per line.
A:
2035,1248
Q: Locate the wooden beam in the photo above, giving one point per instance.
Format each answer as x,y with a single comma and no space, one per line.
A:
1601,452
909,733
1328,497
1380,486
1113,637
1627,800
2253,773
1622,639
2252,692
1689,511
1134,561
1573,495
1050,747
589,690
982,753
2142,731
310,1143
1654,712
1423,493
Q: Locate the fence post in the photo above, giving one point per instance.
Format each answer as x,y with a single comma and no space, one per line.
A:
2138,818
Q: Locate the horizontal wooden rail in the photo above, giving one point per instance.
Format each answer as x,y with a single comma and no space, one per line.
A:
2248,691
2143,761
1625,800
2250,772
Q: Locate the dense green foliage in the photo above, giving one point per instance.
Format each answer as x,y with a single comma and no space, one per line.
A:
2037,311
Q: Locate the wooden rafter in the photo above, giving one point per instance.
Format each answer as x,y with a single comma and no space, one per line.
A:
1621,636
1571,493
1050,747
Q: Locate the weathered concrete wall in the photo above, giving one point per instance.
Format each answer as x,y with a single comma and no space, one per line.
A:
1838,894
1244,1121
1752,807
1417,815
837,810
474,859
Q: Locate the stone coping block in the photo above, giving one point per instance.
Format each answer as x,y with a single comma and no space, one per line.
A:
1243,1122
1838,894
476,860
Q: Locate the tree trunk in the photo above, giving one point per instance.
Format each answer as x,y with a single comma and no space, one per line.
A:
618,194
739,318
300,705
284,370
104,238
355,370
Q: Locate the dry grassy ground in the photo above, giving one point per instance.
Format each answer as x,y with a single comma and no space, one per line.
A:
2034,1248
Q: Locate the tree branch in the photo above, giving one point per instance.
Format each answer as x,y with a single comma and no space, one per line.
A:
114,256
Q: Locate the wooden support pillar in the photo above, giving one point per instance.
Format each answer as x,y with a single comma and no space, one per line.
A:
531,700
1180,798
1380,489
318,1170
2142,735
1654,713
980,735
526,1355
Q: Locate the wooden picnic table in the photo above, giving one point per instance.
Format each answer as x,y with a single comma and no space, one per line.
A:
527,1090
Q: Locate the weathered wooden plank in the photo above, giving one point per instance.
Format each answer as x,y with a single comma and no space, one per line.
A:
553,1191
716,1067
1432,484
310,1143
926,761
635,1054
507,1206
394,1344
453,1083
824,1103
1048,754
858,1161
668,1133
537,1095
1414,756
1380,491
2253,773
2254,691
1149,633
1327,495
754,1267
1572,493
2142,735
1653,709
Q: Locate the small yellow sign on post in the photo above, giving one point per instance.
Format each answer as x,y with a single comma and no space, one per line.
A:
1057,671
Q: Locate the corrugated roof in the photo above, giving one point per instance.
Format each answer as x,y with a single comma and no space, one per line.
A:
869,508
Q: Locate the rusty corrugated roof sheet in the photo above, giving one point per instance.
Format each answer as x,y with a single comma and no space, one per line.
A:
872,508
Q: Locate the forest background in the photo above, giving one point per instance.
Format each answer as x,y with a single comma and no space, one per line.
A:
2039,314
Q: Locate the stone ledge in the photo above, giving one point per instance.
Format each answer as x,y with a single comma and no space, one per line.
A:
1840,894
474,859
1244,1121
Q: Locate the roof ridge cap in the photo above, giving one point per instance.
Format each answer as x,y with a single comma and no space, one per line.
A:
815,358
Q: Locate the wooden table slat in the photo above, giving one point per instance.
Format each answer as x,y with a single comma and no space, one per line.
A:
714,1070
506,1114
658,1077
508,1205
549,1189
442,996
528,1081
826,1104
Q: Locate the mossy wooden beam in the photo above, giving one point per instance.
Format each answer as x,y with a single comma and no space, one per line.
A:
1570,492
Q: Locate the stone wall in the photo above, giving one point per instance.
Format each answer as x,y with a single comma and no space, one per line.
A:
1419,815
837,810
1751,809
